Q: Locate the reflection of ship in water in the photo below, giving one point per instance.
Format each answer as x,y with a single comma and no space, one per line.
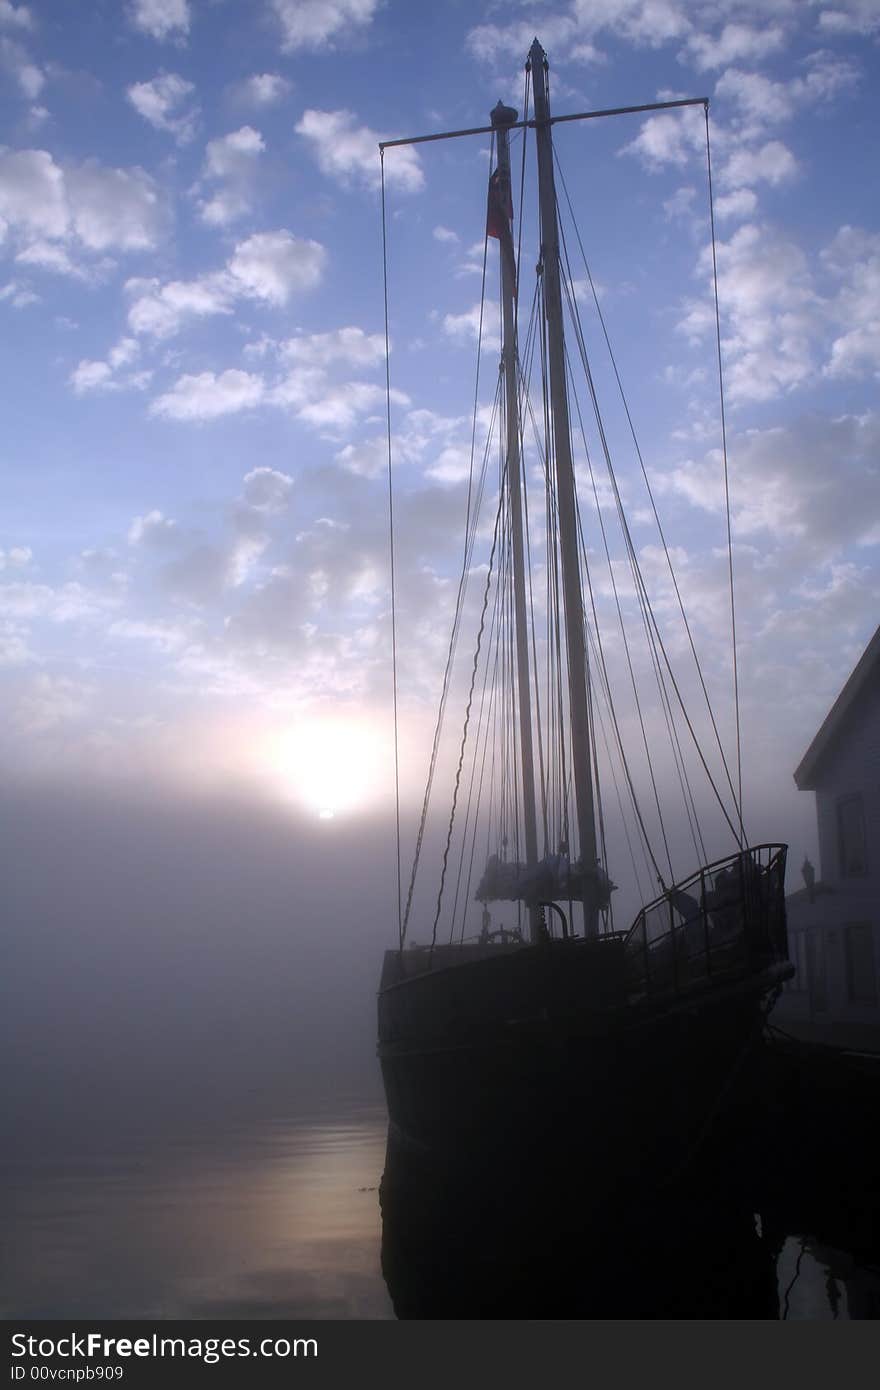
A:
489,1249
794,1154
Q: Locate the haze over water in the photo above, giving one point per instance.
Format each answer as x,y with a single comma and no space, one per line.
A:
196,1125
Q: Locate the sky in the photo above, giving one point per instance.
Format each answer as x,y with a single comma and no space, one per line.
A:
194,582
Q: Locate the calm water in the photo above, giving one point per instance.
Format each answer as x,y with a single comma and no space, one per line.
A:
283,1219
280,1220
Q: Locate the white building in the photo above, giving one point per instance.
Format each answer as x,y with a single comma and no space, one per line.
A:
834,927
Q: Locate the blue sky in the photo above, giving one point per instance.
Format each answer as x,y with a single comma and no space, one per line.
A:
193,533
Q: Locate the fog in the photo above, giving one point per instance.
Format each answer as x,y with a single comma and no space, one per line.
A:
173,961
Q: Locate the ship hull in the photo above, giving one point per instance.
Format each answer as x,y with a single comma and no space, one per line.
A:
624,1092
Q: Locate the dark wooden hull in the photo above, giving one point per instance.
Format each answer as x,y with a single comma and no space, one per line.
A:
495,1061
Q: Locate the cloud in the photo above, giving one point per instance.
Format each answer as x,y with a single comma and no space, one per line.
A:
161,636
773,163
152,530
350,345
18,295
367,458
644,23
231,162
114,208
267,489
742,203
161,310
761,101
161,19
465,327
316,23
853,259
48,255
33,195
274,265
669,138
777,312
681,204
849,17
15,58
445,234
91,376
16,558
207,396
14,650
269,266
163,102
15,16
735,42
307,377
340,405
769,312
812,483
262,89
68,603
349,153
50,701
102,208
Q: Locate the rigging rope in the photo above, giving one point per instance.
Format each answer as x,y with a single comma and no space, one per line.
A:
464,732
726,471
631,551
601,317
400,926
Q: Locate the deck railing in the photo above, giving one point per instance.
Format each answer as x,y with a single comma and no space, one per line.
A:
728,918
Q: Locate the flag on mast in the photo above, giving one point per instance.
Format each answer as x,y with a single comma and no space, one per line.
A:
499,215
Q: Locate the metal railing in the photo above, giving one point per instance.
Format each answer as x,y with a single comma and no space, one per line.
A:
728,918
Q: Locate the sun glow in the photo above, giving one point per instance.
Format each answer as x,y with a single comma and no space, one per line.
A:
330,767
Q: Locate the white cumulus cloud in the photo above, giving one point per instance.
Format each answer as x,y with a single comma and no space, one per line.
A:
208,396
164,102
262,89
316,23
273,265
230,164
267,489
102,208
351,345
15,16
349,153
161,19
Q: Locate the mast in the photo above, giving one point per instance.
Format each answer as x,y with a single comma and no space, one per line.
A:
502,118
565,497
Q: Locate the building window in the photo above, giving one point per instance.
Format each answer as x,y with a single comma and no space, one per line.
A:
861,973
797,954
851,837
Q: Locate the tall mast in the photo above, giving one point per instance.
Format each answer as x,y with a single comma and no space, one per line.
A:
502,117
565,497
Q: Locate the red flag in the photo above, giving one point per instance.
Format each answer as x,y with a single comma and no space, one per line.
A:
499,213
499,217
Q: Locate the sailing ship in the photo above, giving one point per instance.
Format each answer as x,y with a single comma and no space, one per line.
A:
548,1029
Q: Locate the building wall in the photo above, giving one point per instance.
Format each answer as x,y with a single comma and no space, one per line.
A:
852,767
835,940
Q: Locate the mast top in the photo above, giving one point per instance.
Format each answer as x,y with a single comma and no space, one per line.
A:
502,115
537,54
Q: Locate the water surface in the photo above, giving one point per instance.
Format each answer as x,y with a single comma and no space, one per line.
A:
282,1219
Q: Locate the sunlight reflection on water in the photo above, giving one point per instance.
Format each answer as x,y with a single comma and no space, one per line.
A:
278,1222
269,1220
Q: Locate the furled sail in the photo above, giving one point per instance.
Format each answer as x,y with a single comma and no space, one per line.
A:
553,879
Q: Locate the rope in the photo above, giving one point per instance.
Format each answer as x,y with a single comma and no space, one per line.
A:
400,924
650,492
464,732
726,474
631,551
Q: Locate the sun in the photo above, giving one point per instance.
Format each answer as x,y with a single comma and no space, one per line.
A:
330,767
